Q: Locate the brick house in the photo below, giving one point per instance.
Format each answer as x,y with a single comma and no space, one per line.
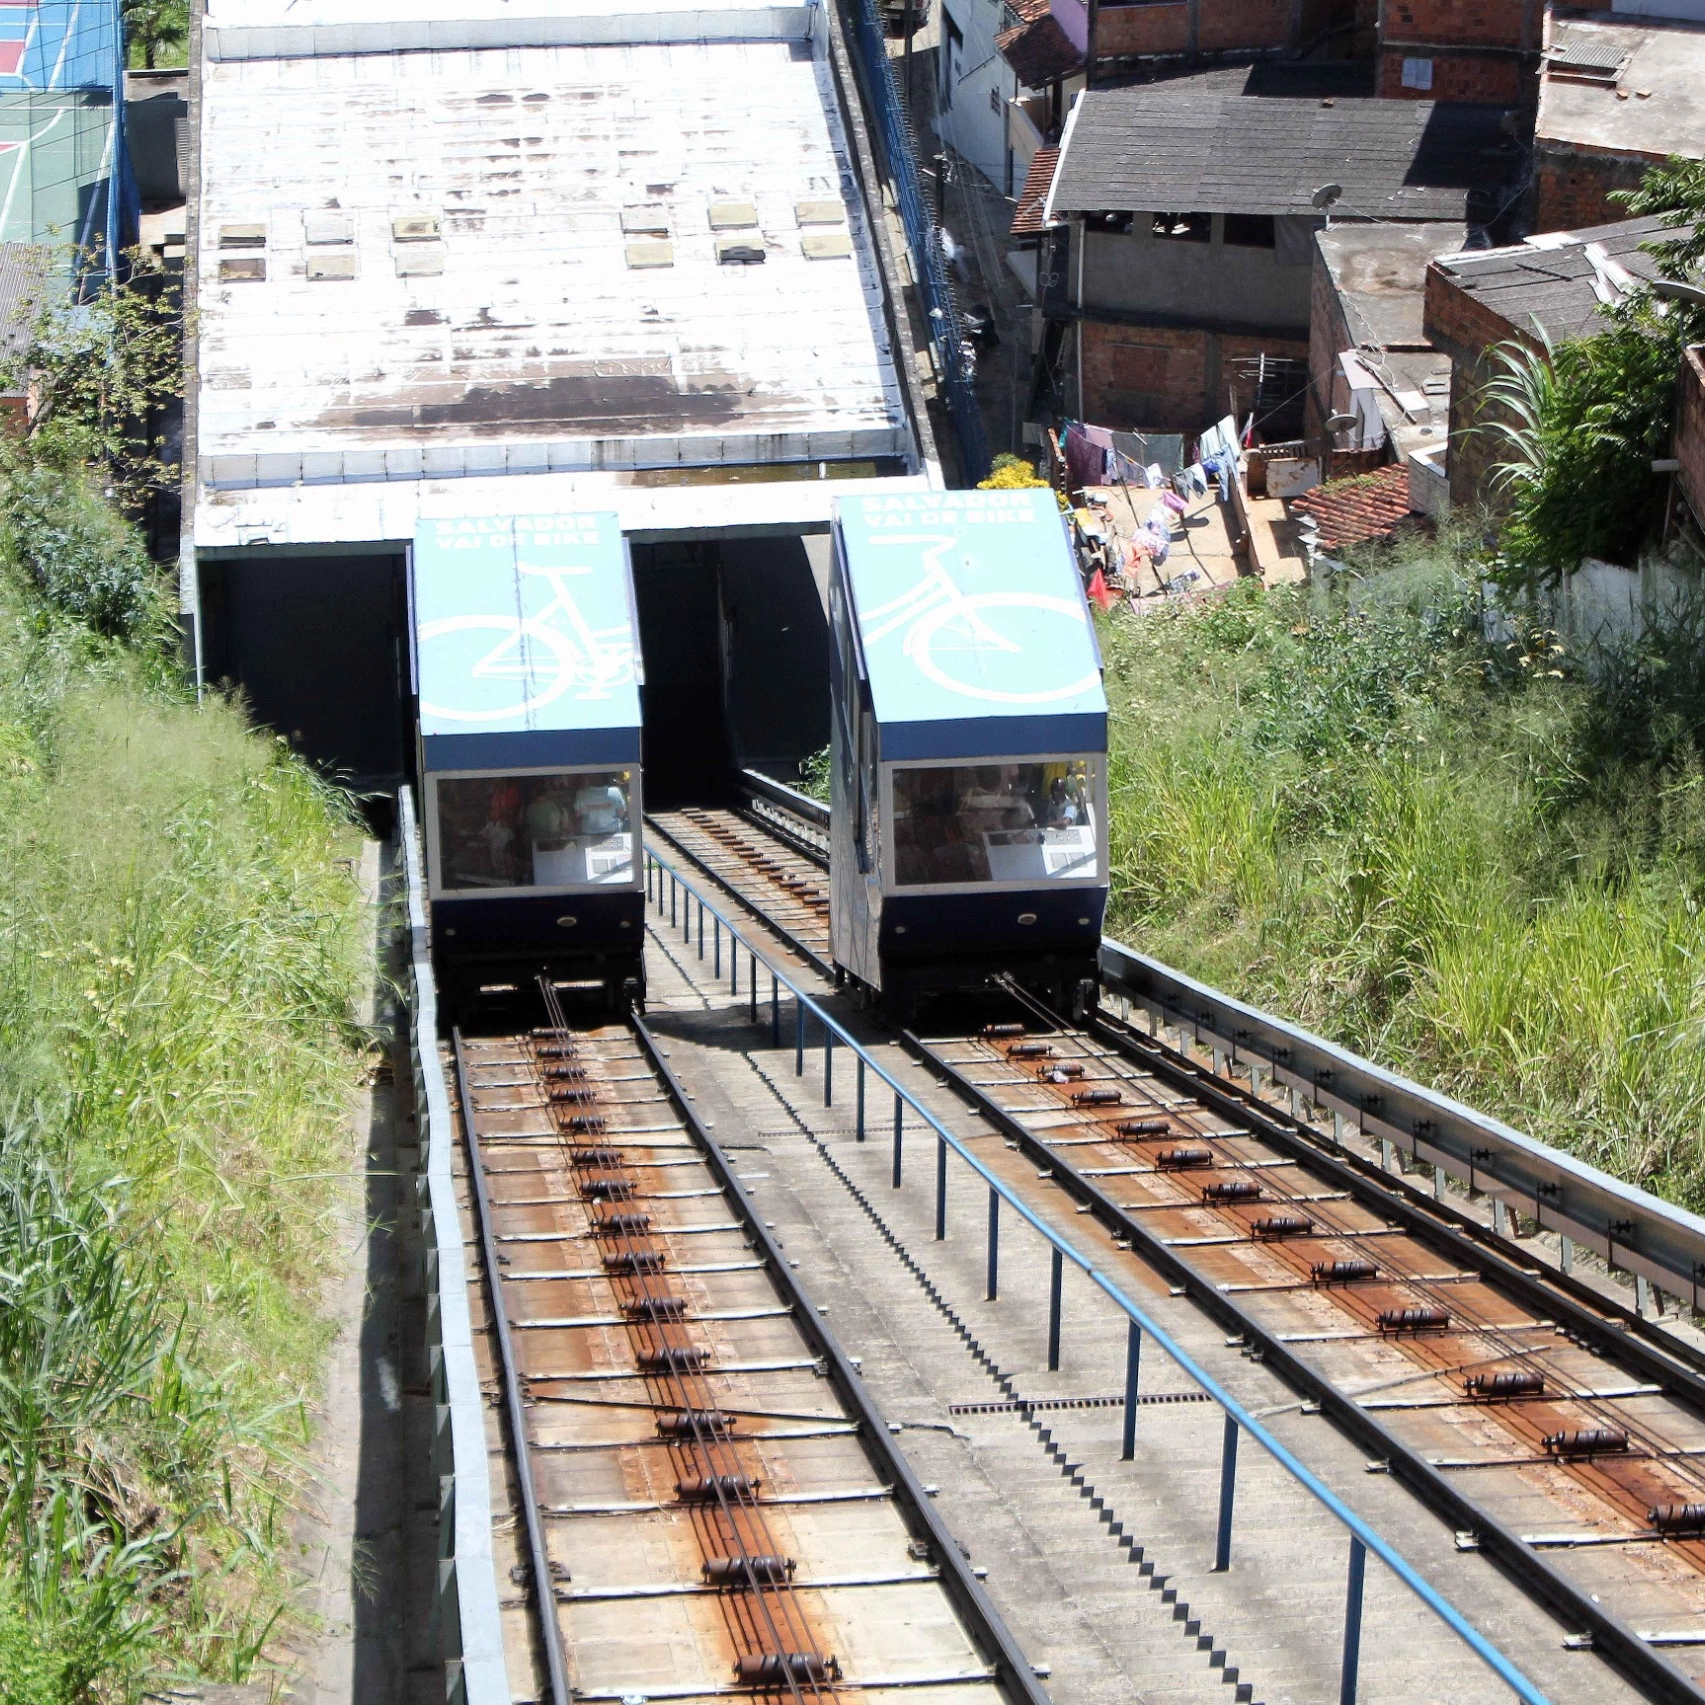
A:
1550,287
1618,95
1690,439
1368,353
1181,222
1460,50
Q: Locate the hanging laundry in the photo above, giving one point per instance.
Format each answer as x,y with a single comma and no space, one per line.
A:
1126,472
1086,461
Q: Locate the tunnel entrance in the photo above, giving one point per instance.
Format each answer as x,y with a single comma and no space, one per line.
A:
736,663
317,646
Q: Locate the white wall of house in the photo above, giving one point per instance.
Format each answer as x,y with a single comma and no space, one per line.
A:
974,87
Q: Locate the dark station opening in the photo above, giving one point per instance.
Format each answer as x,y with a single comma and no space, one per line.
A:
317,647
736,664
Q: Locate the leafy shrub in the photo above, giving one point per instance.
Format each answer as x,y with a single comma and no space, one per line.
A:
80,556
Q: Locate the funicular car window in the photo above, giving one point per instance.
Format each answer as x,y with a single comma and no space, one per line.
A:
570,830
995,823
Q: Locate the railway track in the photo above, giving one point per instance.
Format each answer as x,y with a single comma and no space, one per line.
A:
1531,1418
786,884
712,1507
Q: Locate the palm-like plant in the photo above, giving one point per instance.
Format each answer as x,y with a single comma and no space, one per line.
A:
157,29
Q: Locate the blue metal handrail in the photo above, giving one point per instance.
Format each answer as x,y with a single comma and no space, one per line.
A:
1363,1538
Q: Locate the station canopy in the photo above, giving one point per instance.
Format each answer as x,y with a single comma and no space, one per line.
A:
974,631
526,642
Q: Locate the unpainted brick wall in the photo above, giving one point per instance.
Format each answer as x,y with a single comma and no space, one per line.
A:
1499,79
1195,26
1463,23
1458,321
1226,26
1328,337
1125,30
1145,376
1690,432
1573,186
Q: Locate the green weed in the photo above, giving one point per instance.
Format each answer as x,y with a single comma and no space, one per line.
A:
180,956
1474,860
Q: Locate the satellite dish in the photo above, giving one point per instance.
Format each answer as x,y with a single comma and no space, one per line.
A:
1325,196
1676,291
1343,422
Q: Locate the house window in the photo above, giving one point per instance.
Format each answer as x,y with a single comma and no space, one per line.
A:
1110,224
1250,230
1417,73
1184,227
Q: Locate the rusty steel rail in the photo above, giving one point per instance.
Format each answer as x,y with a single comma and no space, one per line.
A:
1013,1670
550,1626
1658,1242
1239,1421
1611,1635
1628,1227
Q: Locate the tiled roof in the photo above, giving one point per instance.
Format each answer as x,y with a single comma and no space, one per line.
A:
1039,51
1370,506
1028,11
1027,217
1195,144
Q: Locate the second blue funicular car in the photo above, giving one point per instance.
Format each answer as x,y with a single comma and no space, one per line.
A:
969,745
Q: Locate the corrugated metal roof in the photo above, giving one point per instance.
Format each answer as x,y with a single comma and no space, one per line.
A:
1556,283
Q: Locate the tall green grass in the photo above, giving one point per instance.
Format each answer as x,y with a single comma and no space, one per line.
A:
1480,863
181,953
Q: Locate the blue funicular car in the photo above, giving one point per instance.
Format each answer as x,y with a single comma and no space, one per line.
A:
969,825
528,672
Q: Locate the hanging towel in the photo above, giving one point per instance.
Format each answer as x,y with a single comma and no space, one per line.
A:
1086,462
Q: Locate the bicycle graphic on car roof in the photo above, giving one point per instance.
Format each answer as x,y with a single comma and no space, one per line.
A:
1016,636
547,660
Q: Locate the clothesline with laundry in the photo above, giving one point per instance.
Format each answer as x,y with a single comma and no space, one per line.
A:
1099,456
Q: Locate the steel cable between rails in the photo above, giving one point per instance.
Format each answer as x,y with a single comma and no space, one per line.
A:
1500,1335
713,1447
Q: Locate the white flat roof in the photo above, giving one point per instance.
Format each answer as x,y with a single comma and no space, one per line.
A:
266,29
380,514
508,334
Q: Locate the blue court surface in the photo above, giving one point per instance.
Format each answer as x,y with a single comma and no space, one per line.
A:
57,44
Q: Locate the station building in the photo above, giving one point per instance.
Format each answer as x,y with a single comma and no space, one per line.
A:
510,260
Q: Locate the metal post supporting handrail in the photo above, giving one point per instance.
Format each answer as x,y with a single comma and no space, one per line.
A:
1064,1250
468,1574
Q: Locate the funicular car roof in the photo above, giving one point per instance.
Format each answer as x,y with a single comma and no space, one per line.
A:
526,641
972,626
